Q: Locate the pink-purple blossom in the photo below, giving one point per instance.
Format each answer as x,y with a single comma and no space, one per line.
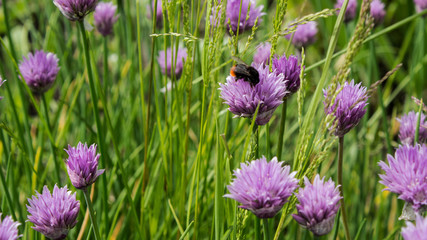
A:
233,11
406,174
318,205
82,165
262,187
408,125
243,98
304,35
9,228
417,231
173,60
39,70
377,11
420,5
159,13
105,17
53,215
262,54
75,10
348,106
291,69
350,12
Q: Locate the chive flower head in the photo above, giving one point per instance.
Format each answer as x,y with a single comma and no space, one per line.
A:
262,187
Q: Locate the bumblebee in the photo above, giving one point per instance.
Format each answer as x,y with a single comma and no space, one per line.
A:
243,71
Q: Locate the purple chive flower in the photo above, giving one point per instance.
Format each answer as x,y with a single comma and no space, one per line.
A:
318,205
39,70
408,124
54,214
159,13
418,231
406,174
243,98
348,108
290,69
262,187
377,11
82,165
420,5
304,35
233,12
350,12
105,17
262,55
9,229
178,58
75,10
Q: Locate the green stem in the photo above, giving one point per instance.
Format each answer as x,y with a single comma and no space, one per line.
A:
106,78
8,196
266,229
257,228
92,215
314,104
99,128
282,130
343,212
417,129
52,144
147,115
257,141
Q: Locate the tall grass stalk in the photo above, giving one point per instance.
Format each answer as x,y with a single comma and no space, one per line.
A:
374,75
52,143
94,99
340,183
282,130
92,215
417,127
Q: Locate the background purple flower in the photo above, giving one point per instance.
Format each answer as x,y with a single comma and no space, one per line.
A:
159,14
179,58
420,5
350,12
290,69
406,174
304,35
262,187
262,54
319,203
82,165
418,231
75,10
9,229
54,214
377,11
243,99
233,11
348,108
39,70
105,18
408,125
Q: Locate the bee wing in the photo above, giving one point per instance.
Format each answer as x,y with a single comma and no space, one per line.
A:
238,60
242,70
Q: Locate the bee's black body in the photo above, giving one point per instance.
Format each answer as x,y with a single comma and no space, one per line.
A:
245,72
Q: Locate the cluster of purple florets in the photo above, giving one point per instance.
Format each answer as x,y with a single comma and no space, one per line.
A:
55,214
264,187
260,186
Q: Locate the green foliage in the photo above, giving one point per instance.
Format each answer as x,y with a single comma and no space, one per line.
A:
170,155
